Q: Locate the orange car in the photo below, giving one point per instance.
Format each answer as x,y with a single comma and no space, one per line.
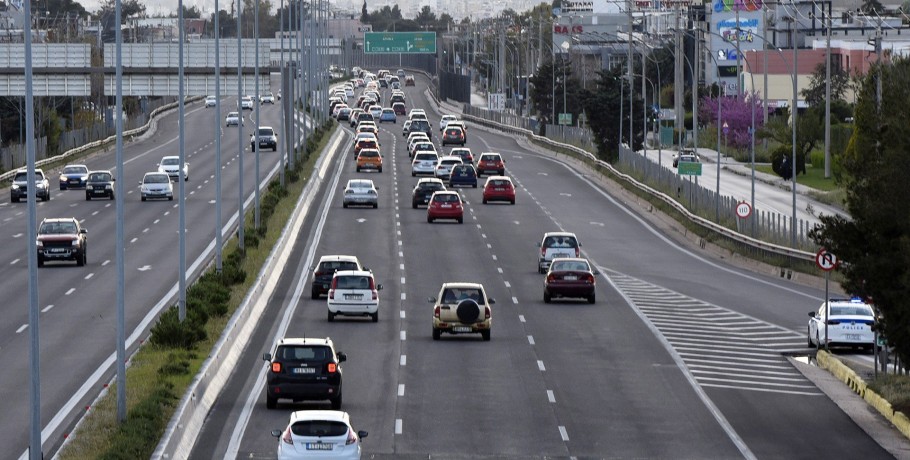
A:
369,159
368,143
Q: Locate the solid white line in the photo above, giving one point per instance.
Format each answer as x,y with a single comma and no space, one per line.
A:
403,361
70,291
550,396
400,389
531,339
541,366
398,426
521,318
22,328
404,335
47,308
563,433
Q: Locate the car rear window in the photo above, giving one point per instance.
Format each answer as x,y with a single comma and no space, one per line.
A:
308,353
337,265
573,265
852,310
353,282
463,171
560,242
500,183
369,153
489,158
317,428
446,198
99,177
425,156
453,295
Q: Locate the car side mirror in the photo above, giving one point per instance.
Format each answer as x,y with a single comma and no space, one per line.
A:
378,287
276,433
362,434
491,301
84,231
812,314
266,356
431,299
341,357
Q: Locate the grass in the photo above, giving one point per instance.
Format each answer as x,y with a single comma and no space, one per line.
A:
157,377
814,177
895,389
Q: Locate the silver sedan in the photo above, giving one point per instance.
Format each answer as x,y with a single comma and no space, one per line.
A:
360,192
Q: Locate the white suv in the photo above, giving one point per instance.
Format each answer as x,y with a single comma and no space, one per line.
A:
462,308
354,293
556,244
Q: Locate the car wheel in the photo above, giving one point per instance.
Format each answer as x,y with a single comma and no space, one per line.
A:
380,169
809,339
473,185
502,172
436,333
375,317
375,205
275,148
46,197
414,205
546,296
88,197
143,198
461,220
336,402
170,198
429,219
484,201
511,201
111,196
330,316
540,270
14,199
344,205
412,175
818,342
358,169
80,261
314,294
486,335
62,187
270,402
592,298
40,261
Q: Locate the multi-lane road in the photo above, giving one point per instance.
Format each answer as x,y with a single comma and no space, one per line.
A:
78,310
681,356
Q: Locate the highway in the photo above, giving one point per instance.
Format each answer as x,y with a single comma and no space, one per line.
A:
681,356
78,310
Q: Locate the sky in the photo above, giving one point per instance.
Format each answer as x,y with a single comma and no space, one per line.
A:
166,7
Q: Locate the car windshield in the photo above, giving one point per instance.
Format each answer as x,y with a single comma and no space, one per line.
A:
57,228
266,132
319,428
99,177
560,242
156,179
22,176
74,170
170,161
303,353
232,115
454,295
446,198
572,265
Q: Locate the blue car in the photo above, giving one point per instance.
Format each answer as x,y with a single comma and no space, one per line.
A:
73,176
463,175
388,115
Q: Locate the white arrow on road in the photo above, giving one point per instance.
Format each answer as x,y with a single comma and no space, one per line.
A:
542,174
361,220
597,223
145,268
565,194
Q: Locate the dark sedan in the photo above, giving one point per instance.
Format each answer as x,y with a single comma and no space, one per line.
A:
424,190
100,185
570,278
73,176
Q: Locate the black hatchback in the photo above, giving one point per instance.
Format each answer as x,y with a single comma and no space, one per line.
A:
304,370
425,189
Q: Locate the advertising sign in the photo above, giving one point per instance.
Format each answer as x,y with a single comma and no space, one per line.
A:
748,29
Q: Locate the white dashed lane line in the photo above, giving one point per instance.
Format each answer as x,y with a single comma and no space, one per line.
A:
70,291
105,262
89,276
21,328
531,339
521,318
404,360
398,426
14,262
563,433
404,335
550,396
402,314
541,366
400,389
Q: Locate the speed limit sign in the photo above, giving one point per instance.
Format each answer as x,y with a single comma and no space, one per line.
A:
743,210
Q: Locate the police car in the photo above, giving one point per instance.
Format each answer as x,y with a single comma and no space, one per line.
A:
849,324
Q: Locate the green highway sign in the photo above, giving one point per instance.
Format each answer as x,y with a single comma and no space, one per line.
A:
689,168
565,118
399,42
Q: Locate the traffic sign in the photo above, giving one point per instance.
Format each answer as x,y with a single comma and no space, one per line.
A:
825,260
743,210
565,119
399,42
688,168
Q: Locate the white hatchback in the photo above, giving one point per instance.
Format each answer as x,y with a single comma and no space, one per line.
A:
319,434
354,293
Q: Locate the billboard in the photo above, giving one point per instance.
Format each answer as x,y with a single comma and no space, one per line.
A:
748,29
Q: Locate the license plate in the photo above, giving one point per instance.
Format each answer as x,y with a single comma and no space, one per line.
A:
304,370
446,206
499,189
319,446
854,337
74,181
561,254
461,329
56,250
353,296
570,278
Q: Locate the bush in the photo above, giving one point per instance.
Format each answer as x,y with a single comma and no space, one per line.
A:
143,428
170,332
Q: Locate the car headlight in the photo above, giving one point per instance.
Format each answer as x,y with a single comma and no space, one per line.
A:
42,185
15,187
107,187
76,243
40,243
62,178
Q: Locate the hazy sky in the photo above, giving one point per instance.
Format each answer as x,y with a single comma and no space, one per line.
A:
165,7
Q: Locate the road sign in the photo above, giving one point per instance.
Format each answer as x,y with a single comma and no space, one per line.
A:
825,260
743,210
565,119
688,168
399,42
366,28
496,101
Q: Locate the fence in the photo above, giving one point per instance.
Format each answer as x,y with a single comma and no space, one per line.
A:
501,117
572,135
14,156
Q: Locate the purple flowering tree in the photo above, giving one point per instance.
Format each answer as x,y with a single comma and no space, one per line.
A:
735,112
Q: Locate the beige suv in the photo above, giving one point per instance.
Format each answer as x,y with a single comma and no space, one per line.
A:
462,308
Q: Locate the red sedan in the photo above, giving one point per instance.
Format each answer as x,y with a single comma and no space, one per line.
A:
570,277
498,188
445,205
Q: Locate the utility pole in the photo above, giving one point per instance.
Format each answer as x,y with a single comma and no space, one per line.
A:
793,111
678,83
828,97
629,72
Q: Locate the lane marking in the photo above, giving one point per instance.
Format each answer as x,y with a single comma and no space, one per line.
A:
563,433
398,426
507,284
401,266
541,366
521,318
401,314
14,262
531,339
400,389
402,280
494,256
89,276
134,240
550,396
71,290
404,335
105,262
499,269
22,328
514,299
404,360
404,296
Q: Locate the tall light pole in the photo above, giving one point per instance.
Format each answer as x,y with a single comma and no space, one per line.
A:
181,173
217,119
258,106
793,115
241,220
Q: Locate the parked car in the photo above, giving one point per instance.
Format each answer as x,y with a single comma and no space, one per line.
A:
156,185
310,434
62,239
304,370
73,176
99,184
19,188
462,308
570,277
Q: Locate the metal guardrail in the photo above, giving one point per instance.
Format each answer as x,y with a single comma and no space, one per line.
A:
695,219
140,130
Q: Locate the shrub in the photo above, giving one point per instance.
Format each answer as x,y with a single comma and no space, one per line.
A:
170,332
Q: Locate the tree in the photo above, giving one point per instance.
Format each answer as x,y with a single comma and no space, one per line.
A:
426,17
809,131
736,112
191,12
364,15
815,92
874,243
106,14
873,7
603,107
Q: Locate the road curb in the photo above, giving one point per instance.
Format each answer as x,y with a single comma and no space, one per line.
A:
859,386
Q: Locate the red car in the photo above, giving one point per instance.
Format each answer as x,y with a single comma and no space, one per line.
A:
445,205
498,188
570,277
490,163
399,108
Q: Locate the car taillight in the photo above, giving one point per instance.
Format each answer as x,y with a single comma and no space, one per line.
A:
375,295
276,368
543,251
332,368
551,278
487,313
352,438
287,437
577,252
332,294
589,279
436,311
318,274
